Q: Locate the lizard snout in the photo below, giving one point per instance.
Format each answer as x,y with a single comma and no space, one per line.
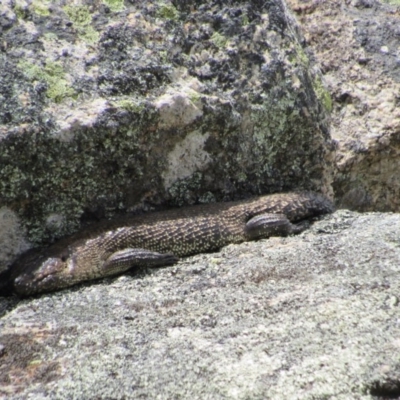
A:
42,278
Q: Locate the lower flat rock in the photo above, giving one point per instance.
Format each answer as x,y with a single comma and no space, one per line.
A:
313,316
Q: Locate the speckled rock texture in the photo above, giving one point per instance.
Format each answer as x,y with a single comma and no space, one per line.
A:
314,316
111,106
357,44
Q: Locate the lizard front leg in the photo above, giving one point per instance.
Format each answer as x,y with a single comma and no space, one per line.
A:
125,259
265,225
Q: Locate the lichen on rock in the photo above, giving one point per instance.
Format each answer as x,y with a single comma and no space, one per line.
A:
358,54
117,106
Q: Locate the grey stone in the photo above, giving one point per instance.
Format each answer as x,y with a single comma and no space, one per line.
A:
114,106
357,46
305,317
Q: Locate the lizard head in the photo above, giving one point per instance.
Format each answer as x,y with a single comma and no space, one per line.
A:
59,266
46,277
43,272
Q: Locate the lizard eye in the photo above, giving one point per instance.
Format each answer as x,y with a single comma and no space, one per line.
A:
64,258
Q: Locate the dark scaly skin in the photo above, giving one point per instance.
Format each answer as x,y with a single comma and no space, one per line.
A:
159,238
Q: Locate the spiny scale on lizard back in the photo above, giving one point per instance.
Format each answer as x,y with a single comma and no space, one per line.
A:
158,238
184,237
207,227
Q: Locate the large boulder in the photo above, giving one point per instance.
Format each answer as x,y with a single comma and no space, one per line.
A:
357,45
314,316
116,106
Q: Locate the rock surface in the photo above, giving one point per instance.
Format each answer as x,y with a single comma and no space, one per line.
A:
357,45
111,106
315,316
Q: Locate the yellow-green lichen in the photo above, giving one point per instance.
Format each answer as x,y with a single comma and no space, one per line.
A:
270,131
114,5
20,12
50,36
130,105
194,97
218,39
245,20
392,2
53,74
89,35
163,55
167,11
81,17
47,164
322,93
41,7
59,90
299,57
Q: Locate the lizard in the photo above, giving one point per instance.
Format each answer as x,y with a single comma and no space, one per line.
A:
159,239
